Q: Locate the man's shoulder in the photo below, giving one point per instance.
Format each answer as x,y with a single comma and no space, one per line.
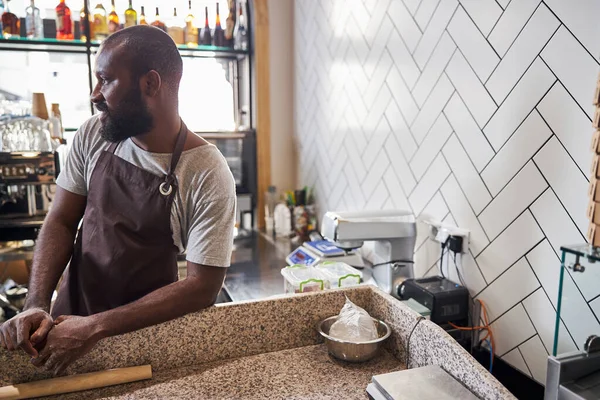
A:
208,172
88,135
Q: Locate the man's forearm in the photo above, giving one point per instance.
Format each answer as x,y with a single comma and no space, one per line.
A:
53,250
164,304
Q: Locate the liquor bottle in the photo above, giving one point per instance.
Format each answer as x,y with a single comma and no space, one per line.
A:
191,31
219,35
1,12
230,24
11,24
176,29
100,28
206,36
86,27
64,23
113,19
142,16
33,22
158,23
240,36
130,16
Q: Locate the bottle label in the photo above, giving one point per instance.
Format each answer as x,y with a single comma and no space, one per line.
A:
60,23
129,20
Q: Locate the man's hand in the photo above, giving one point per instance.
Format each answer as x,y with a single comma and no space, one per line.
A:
71,338
26,330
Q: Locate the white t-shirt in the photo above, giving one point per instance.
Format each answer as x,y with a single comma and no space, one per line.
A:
203,211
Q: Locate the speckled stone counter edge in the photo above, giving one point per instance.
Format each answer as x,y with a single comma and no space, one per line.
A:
247,328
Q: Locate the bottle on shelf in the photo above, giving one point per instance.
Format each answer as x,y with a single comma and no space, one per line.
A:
86,27
64,23
142,16
33,22
230,24
100,28
158,23
11,24
113,19
206,35
219,34
191,31
130,16
176,29
240,36
56,125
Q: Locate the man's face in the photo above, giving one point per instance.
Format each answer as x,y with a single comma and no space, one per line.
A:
118,96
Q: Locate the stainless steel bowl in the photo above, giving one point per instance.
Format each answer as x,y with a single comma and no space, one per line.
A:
350,351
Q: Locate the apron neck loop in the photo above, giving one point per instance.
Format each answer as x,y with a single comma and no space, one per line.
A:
113,147
167,186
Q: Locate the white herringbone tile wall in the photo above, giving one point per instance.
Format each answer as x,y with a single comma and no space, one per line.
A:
477,113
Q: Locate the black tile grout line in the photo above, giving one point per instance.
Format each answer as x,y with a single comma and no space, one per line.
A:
562,144
510,224
498,20
520,125
572,34
525,362
431,132
411,174
526,208
476,171
558,198
405,84
543,289
464,194
390,166
566,89
426,170
405,47
444,30
406,161
514,87
442,108
594,298
504,272
481,33
531,320
441,73
399,30
362,65
432,14
475,73
567,212
513,42
394,132
438,189
517,346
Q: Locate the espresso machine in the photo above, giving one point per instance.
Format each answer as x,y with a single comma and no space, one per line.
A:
29,165
394,233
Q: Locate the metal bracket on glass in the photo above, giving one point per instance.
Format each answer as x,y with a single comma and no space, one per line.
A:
576,266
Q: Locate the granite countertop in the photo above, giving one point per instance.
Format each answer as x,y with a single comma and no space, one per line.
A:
266,349
306,372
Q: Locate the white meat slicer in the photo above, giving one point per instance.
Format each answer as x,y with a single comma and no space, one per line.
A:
394,233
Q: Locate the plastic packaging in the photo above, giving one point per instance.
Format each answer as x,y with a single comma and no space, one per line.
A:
353,325
300,278
340,274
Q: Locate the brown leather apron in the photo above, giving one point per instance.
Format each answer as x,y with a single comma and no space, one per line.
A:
124,249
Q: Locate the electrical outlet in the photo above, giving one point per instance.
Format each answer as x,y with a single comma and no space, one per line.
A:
440,232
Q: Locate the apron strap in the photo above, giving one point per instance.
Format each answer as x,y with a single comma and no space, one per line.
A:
113,147
167,186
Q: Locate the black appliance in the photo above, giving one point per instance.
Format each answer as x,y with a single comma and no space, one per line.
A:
448,301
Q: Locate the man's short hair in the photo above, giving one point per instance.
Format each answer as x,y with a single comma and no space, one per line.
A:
148,48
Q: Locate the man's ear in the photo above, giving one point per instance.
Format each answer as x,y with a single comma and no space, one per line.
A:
151,83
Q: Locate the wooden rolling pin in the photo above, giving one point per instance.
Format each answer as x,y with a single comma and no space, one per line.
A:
76,383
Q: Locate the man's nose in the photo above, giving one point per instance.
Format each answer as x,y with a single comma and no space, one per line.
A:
96,96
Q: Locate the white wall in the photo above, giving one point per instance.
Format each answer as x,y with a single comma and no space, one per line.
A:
477,113
283,150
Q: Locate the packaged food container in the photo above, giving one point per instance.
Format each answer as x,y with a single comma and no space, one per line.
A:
340,274
300,278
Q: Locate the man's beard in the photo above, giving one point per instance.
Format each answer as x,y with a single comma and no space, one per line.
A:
129,118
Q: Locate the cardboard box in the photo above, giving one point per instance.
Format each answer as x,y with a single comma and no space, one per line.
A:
593,235
595,166
596,142
596,122
594,190
593,212
597,96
